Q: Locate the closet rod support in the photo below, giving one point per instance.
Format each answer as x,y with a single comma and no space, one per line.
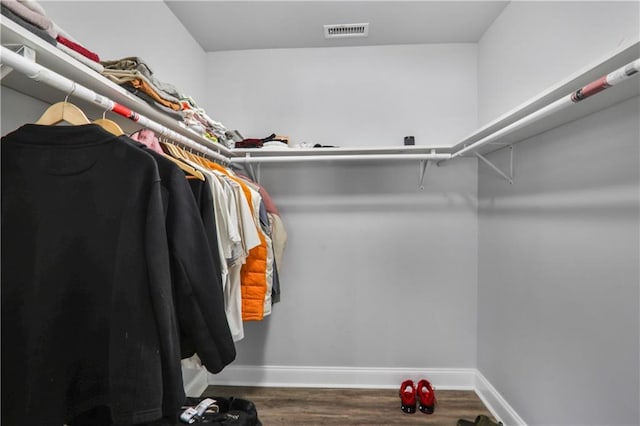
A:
20,49
424,165
508,178
511,162
254,171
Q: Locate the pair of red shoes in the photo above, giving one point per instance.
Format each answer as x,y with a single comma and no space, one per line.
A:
424,394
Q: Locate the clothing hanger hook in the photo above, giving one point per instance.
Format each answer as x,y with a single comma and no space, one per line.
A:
66,98
73,89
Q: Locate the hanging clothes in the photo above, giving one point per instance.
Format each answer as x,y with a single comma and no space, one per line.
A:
86,289
237,234
195,273
276,231
254,271
102,285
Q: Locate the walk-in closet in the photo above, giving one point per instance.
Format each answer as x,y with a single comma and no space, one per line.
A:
272,200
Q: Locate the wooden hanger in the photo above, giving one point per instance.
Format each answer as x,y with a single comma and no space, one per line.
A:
187,168
109,125
195,158
175,157
63,111
171,148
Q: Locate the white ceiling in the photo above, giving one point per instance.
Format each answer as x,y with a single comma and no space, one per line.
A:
238,25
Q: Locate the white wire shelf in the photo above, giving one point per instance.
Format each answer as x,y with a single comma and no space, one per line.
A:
517,125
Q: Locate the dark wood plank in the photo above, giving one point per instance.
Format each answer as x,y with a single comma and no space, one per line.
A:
320,406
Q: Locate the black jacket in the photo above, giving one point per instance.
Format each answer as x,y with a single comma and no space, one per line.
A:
88,314
195,272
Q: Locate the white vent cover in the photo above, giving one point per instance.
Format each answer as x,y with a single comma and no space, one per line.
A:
346,30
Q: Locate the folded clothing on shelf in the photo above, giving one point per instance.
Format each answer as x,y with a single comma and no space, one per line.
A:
136,67
30,15
271,141
9,14
176,115
39,20
134,74
78,48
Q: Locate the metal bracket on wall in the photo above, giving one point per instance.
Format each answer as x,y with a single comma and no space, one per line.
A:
254,171
424,165
507,177
21,50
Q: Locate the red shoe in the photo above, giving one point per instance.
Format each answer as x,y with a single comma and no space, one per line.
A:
408,396
426,396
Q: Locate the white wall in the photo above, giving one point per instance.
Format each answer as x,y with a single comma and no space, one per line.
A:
376,273
17,109
558,297
534,44
147,29
348,96
558,273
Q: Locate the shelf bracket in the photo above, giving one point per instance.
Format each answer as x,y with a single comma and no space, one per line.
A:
424,165
21,50
507,177
254,171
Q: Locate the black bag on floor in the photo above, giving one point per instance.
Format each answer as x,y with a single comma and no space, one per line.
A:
220,411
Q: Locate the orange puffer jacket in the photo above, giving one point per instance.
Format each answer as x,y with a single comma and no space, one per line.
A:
253,275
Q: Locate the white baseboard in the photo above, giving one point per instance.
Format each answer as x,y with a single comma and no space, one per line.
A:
342,377
498,406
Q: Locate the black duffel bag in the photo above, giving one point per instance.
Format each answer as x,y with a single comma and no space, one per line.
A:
220,411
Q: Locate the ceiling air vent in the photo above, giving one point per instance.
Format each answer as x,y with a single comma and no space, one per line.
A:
346,30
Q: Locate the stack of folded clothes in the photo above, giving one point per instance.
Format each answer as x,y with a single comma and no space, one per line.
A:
31,15
135,75
196,117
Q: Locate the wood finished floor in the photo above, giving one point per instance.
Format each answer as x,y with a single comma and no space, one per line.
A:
312,406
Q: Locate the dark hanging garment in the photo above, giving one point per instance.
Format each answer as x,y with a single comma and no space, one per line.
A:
195,273
204,198
88,314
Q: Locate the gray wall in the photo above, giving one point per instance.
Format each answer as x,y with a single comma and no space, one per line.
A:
534,44
17,109
558,296
348,96
558,273
376,273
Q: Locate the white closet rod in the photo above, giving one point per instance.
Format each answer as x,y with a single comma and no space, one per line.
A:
609,80
338,157
619,75
39,73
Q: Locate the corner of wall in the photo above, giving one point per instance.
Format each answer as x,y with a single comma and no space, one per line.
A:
492,399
